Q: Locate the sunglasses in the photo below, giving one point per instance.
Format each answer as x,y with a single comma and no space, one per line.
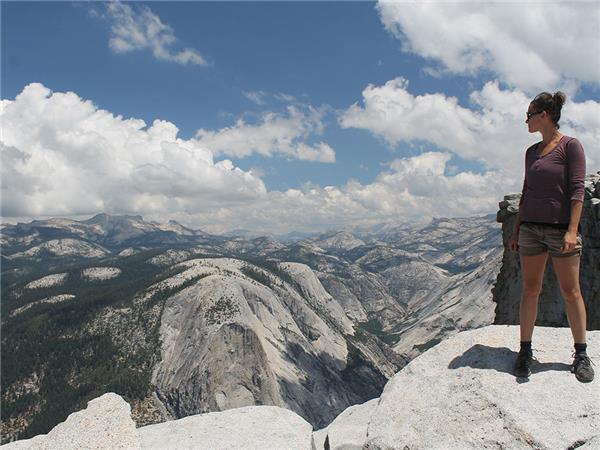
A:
531,114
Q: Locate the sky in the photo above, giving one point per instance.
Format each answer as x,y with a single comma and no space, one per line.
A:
276,117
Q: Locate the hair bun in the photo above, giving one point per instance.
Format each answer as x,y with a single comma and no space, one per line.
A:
559,99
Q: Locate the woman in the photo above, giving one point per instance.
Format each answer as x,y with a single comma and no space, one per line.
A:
548,222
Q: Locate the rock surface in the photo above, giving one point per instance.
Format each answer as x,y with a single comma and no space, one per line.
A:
551,310
349,430
100,273
53,299
251,428
461,394
105,423
55,279
464,304
230,340
65,247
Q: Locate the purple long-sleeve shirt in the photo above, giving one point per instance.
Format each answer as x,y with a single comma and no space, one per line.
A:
552,182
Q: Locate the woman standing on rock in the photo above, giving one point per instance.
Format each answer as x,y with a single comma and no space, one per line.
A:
548,222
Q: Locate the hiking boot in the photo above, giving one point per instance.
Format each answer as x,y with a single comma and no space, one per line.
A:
582,367
523,364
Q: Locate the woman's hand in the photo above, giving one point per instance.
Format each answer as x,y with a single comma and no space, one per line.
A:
514,243
569,241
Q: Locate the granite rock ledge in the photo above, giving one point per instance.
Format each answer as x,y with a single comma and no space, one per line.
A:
460,394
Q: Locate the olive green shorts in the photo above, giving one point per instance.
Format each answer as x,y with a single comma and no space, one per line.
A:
535,239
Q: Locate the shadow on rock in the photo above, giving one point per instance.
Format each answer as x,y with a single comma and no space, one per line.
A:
500,359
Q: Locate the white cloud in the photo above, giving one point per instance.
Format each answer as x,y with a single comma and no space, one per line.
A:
492,132
533,46
138,28
412,189
284,97
63,156
260,97
277,134
257,97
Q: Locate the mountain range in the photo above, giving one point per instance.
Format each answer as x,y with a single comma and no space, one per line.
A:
145,309
180,322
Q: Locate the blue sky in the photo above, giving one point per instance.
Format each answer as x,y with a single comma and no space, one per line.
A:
351,105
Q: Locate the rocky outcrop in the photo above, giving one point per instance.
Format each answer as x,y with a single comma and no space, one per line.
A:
349,430
465,303
48,281
64,247
551,310
105,423
461,394
249,428
242,335
100,273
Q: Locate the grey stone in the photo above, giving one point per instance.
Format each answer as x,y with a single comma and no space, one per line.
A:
591,444
229,341
513,209
349,430
319,438
105,423
461,394
512,196
251,427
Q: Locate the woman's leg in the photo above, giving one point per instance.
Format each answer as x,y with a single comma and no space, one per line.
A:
567,273
532,269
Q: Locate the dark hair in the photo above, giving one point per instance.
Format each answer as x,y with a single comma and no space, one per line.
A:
552,104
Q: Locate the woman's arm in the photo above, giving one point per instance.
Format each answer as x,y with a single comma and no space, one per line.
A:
570,237
514,246
576,208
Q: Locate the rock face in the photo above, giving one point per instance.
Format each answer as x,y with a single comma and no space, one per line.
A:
105,423
242,336
465,303
249,428
461,394
551,310
349,430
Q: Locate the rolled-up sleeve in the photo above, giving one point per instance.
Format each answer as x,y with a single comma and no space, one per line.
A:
576,167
